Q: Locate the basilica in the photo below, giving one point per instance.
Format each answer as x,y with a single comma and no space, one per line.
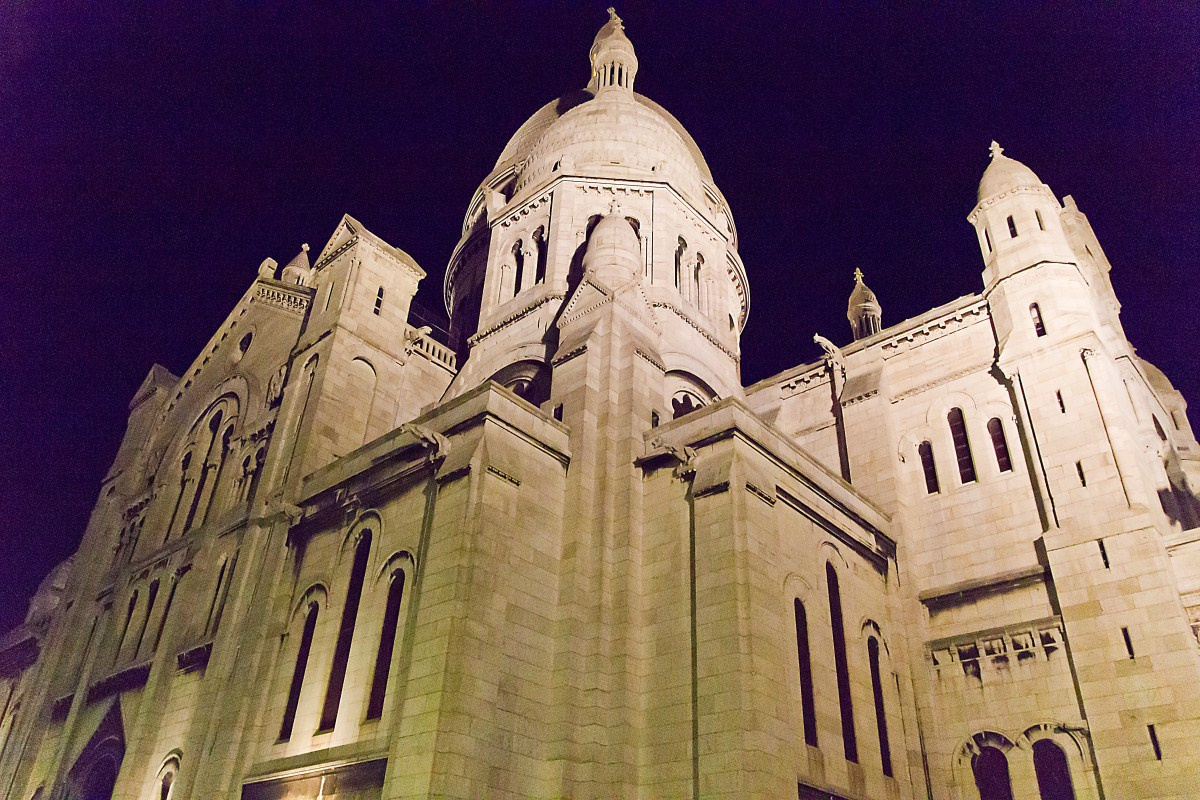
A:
566,553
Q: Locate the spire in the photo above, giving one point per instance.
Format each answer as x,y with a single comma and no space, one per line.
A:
614,63
298,269
863,310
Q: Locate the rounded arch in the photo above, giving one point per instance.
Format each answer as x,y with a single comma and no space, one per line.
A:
685,392
399,560
868,628
164,780
367,523
963,759
316,593
829,553
528,379
795,586
935,416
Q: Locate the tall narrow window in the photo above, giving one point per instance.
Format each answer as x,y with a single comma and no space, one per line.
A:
223,593
987,237
1041,223
807,701
925,450
962,448
212,606
378,302
125,630
387,644
999,444
539,240
1053,773
1012,228
885,752
990,767
184,478
519,259
226,441
699,265
341,652
849,740
153,595
293,698
679,251
162,621
1035,314
214,425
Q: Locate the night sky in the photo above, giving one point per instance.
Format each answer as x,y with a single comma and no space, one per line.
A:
151,157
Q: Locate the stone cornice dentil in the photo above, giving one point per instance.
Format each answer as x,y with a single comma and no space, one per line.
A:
988,202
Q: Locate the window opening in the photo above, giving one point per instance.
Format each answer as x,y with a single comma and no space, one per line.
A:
212,606
387,643
885,753
293,700
1154,742
679,251
1041,223
990,767
1128,642
1053,773
1062,406
999,444
962,448
1035,314
1082,477
558,412
1012,228
224,593
128,619
849,740
378,302
1103,552
226,442
654,420
153,595
925,450
162,622
987,237
214,425
807,701
341,653
539,239
519,274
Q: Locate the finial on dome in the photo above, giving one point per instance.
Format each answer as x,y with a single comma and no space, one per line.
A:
612,16
304,247
858,275
996,149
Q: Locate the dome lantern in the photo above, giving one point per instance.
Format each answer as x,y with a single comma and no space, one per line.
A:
614,63
863,310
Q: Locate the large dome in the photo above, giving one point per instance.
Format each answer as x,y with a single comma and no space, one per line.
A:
598,118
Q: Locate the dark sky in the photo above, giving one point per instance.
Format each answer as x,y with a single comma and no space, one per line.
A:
151,157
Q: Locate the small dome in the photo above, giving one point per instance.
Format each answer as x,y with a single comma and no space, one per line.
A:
1004,174
613,253
614,62
298,269
863,310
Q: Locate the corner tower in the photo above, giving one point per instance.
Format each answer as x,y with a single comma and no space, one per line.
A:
523,256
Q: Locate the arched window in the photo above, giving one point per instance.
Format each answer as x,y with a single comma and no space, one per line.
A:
205,465
696,269
387,644
128,619
539,239
990,767
807,701
164,786
1035,314
1012,228
153,595
293,698
925,450
162,621
885,752
849,739
341,652
184,479
1053,773
999,444
962,448
222,459
519,260
679,251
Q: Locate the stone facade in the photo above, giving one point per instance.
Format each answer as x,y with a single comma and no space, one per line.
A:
956,558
